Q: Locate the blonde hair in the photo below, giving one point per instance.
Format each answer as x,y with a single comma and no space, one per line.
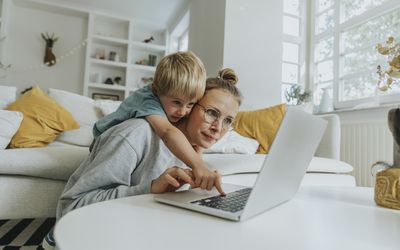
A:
180,74
226,80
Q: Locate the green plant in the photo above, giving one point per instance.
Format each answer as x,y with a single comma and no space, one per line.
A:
296,96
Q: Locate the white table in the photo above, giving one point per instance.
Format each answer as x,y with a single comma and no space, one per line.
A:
317,218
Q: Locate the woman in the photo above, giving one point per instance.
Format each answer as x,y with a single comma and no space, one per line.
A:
130,159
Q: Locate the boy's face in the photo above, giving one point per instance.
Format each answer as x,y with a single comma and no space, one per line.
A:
176,107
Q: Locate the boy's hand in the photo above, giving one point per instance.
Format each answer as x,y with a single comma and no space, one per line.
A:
172,179
206,179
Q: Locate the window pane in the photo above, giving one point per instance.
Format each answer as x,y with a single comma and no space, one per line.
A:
290,52
291,26
360,61
323,5
285,88
291,7
324,71
352,8
360,86
323,49
324,22
372,32
290,73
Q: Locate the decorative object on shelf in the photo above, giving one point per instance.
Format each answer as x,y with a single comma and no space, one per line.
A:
295,96
100,54
391,75
387,184
148,40
118,80
49,57
326,104
109,81
113,56
102,96
141,62
152,60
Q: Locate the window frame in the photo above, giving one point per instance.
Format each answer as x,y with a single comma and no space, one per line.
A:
336,32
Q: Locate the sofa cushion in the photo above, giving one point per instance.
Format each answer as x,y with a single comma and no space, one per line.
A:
9,124
261,125
44,119
233,143
83,110
57,162
243,163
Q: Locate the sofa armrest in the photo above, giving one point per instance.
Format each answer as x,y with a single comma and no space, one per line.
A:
329,146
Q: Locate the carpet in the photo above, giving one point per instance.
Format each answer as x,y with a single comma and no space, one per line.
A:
24,234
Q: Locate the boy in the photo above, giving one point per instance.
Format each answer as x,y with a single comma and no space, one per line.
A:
179,81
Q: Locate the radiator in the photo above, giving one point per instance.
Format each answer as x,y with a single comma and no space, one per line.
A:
364,143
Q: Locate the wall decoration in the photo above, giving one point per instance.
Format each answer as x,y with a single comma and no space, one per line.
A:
49,57
102,96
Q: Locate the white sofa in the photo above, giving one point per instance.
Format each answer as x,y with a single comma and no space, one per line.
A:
32,179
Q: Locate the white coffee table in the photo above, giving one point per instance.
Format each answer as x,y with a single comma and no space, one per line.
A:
317,218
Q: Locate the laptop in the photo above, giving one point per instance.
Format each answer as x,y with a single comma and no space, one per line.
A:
279,179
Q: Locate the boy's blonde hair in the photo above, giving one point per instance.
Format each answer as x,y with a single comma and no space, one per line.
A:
180,74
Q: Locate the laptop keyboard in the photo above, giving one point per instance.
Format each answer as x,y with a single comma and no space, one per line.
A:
231,202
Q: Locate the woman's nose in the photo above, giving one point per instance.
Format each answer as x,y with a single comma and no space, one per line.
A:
217,124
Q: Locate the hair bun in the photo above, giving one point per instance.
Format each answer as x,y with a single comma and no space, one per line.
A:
228,75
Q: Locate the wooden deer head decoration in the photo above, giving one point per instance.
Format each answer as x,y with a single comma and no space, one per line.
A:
49,57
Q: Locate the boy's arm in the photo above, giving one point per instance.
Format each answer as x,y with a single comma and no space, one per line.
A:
178,144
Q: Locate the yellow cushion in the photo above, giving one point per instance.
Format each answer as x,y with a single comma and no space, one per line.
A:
44,119
260,124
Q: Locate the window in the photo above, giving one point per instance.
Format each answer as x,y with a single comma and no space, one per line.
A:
179,37
344,58
293,47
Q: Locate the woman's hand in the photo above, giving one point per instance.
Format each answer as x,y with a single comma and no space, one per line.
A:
172,179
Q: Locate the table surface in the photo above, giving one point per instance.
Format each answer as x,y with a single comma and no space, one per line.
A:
316,218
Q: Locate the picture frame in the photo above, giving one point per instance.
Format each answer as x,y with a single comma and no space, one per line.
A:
103,96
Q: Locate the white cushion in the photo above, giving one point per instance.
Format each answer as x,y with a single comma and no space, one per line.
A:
232,143
83,110
9,124
107,106
48,162
242,163
7,95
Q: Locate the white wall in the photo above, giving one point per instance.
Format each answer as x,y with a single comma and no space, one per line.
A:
206,33
25,49
250,35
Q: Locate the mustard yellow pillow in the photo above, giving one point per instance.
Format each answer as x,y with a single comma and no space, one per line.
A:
260,124
44,119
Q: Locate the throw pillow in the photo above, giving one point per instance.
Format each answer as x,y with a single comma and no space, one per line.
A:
44,119
9,124
107,106
84,112
234,143
7,96
260,124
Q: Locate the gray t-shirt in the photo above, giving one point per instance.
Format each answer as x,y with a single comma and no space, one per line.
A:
123,162
140,104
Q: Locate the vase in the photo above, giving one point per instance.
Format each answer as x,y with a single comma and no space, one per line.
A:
326,104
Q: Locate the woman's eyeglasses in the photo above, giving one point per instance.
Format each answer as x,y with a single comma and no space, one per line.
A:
211,115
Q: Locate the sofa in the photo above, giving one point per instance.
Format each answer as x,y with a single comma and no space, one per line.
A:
32,179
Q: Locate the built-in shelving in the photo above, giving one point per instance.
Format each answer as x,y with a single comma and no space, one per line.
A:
116,49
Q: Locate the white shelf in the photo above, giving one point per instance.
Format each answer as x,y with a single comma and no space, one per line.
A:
148,46
109,63
107,86
110,40
151,69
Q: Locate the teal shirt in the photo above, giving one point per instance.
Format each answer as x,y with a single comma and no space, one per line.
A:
140,104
